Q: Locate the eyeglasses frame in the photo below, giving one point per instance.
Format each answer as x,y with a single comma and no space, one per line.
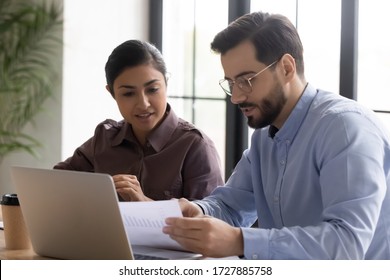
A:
248,80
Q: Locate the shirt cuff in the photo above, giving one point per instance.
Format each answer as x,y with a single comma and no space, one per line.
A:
256,243
200,207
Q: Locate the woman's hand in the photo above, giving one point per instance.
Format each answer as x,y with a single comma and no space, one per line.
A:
128,187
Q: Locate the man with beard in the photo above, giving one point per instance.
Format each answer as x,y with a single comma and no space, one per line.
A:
318,170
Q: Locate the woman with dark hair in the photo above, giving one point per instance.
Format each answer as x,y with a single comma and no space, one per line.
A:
151,154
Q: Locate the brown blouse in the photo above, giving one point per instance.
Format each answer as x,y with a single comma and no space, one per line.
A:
178,159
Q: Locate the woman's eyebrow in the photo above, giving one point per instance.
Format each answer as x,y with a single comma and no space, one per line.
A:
151,82
145,84
126,86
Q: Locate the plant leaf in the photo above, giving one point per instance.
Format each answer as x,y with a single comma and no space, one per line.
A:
29,41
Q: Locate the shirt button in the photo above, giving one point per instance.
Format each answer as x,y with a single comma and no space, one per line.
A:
255,257
282,162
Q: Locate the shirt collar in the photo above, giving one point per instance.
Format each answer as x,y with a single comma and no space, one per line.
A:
272,130
297,116
158,138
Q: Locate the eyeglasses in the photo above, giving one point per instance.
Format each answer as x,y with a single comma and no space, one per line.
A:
242,83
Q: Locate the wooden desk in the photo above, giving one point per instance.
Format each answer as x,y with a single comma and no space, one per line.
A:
6,254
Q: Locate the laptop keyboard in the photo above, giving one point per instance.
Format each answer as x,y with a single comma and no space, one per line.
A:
148,257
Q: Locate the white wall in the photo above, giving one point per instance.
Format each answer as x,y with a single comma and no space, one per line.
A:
92,28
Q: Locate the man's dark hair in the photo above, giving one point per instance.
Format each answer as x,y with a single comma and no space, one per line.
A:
272,35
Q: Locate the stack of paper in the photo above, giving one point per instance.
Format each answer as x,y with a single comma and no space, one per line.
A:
144,222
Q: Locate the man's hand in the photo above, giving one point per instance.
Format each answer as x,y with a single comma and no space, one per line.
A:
190,209
128,187
206,235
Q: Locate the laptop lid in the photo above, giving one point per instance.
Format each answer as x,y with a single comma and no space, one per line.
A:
71,215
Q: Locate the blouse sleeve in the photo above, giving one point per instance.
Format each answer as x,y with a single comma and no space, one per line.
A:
81,160
202,169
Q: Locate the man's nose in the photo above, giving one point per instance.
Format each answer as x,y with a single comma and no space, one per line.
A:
237,95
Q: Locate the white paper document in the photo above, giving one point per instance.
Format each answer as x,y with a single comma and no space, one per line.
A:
144,222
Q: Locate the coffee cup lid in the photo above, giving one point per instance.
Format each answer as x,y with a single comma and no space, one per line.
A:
10,199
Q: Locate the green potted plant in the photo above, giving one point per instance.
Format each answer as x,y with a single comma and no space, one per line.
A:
30,35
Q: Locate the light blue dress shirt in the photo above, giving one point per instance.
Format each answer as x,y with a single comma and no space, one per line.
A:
319,188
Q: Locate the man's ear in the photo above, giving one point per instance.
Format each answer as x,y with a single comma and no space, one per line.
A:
289,67
111,92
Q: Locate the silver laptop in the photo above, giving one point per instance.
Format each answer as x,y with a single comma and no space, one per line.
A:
76,215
